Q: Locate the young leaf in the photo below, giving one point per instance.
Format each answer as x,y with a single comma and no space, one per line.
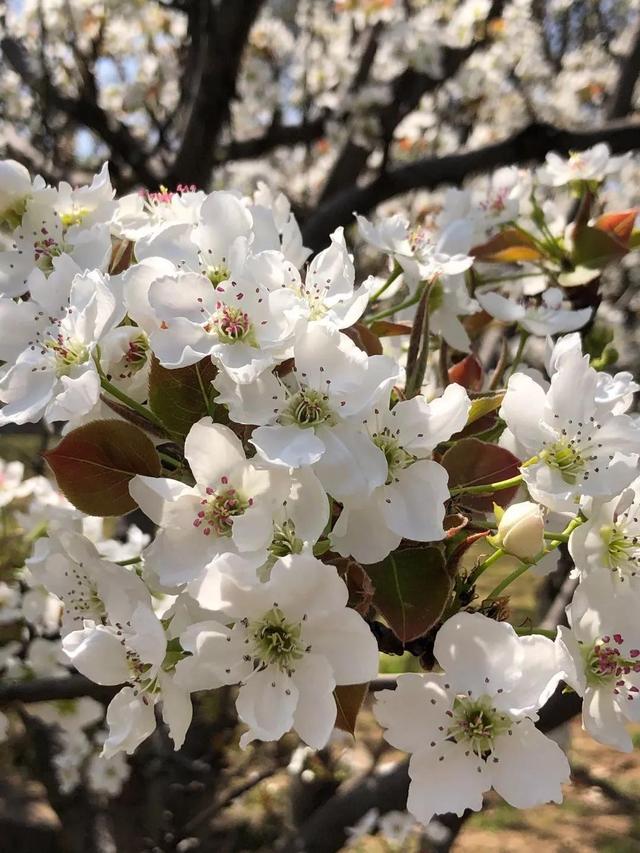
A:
181,397
94,464
468,372
594,248
387,329
349,699
471,462
481,406
412,588
510,246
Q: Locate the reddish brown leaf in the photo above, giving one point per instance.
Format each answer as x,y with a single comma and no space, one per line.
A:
471,462
349,699
94,464
181,396
467,372
387,329
364,338
412,588
619,225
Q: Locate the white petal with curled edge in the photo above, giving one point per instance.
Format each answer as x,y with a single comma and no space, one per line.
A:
131,719
288,446
96,652
177,710
212,451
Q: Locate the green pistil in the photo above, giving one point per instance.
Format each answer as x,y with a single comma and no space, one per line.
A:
75,217
284,540
308,408
397,457
218,511
218,274
621,553
277,642
566,459
477,723
232,325
67,354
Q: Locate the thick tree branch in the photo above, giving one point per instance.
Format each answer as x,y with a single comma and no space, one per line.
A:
54,689
622,98
275,136
529,145
324,832
219,32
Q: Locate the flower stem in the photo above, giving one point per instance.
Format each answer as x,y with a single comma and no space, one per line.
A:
130,562
515,574
413,300
110,388
487,488
489,561
527,632
524,335
395,272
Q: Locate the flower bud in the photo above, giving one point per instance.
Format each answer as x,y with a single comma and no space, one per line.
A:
521,530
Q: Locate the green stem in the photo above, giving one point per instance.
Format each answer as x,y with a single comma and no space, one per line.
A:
559,540
167,460
110,388
505,582
413,300
527,632
524,335
487,488
205,396
561,537
415,376
484,565
130,562
395,272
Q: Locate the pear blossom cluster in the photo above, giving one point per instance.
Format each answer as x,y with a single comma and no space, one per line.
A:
329,417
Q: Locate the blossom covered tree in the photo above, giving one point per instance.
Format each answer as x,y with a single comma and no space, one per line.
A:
330,425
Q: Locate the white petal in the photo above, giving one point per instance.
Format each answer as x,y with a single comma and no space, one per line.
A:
131,719
315,713
531,767
266,703
444,779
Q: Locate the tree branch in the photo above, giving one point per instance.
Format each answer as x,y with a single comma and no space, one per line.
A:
529,145
219,33
54,689
622,98
324,832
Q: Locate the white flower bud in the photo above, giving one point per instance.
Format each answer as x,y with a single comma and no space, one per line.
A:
15,188
521,530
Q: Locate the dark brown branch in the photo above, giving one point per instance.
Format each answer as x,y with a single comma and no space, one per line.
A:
529,145
219,33
54,689
324,832
279,134
622,98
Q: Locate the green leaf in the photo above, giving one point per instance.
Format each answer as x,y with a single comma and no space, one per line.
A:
94,464
412,588
183,396
594,248
349,699
481,406
471,462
